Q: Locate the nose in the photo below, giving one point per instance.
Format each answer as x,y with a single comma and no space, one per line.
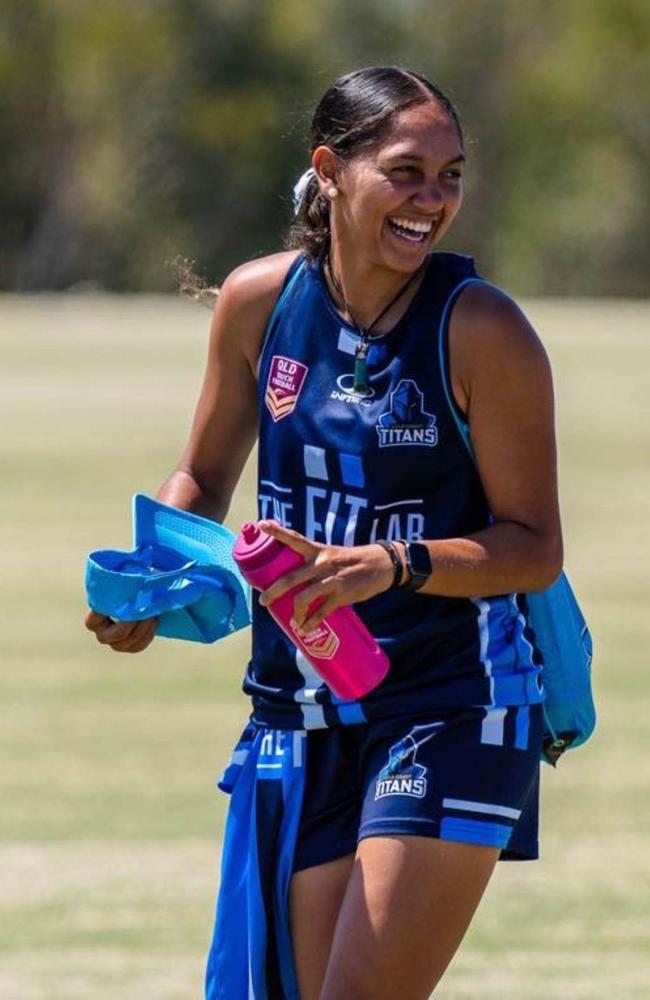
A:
429,197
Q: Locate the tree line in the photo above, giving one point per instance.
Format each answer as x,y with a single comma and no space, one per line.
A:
132,132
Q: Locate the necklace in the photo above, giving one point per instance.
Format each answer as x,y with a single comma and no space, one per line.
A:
360,383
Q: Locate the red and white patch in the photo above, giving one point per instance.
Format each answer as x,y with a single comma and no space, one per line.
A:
322,642
286,378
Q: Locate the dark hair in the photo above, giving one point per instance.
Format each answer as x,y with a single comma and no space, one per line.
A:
356,112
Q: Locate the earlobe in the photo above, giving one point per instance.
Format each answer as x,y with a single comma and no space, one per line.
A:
325,163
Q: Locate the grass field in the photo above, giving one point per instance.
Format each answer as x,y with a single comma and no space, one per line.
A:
110,824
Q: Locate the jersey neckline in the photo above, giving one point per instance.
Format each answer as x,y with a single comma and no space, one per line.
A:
332,309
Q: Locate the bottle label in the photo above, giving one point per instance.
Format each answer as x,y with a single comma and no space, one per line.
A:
322,642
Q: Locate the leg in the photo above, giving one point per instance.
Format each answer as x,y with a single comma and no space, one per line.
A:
407,907
315,901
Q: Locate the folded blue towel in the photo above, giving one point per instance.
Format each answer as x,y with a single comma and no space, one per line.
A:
181,570
251,956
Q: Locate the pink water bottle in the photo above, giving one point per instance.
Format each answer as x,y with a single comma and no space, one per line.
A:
341,648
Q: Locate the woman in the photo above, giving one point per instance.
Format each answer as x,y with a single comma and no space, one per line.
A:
405,418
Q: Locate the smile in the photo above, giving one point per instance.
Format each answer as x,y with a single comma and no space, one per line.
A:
407,229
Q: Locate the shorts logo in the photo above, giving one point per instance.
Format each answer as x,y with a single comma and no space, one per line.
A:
402,775
286,378
345,392
407,422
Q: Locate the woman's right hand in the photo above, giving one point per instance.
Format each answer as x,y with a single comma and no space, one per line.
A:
122,637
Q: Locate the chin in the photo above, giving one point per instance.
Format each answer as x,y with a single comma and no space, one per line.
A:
406,262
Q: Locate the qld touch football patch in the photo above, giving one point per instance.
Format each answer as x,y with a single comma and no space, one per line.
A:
286,378
322,642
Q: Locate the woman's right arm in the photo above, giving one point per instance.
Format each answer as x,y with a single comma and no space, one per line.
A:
225,422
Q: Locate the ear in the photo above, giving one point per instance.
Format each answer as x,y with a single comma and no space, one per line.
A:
326,164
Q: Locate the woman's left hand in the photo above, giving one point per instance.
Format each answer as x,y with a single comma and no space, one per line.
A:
336,575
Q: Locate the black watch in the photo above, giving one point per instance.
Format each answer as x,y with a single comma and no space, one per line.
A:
418,561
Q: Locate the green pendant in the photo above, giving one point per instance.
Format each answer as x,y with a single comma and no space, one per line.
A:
360,368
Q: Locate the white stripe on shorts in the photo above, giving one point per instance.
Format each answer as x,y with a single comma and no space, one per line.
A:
466,805
492,726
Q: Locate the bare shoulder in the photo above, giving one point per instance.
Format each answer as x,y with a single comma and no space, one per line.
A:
256,284
489,336
247,298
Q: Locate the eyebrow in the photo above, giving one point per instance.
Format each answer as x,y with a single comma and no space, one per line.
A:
461,158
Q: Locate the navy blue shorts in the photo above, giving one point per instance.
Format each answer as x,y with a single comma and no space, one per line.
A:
470,775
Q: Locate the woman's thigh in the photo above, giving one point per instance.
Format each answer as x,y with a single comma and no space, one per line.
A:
316,896
408,902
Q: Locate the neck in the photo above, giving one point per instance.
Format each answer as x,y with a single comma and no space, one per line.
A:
364,289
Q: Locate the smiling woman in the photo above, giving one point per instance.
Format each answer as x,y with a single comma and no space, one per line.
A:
404,412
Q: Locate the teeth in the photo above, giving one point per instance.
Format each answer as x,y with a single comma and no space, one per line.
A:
414,227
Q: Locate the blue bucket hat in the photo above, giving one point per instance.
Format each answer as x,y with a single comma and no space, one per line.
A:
181,570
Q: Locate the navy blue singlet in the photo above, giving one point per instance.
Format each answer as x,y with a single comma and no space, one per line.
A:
347,468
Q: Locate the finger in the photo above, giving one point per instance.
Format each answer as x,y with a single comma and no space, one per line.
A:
143,632
289,537
331,603
140,637
94,621
116,632
311,599
130,647
296,578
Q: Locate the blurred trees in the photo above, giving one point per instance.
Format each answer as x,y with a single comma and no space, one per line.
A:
132,132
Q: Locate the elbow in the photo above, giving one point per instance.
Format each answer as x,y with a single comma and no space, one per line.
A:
549,563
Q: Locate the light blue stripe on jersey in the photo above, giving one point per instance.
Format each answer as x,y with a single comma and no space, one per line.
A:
508,664
475,831
462,425
284,296
483,623
315,464
313,716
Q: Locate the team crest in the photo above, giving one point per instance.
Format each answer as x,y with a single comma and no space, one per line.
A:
402,775
407,422
322,642
286,378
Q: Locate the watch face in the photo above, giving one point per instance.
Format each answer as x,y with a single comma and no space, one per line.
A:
420,560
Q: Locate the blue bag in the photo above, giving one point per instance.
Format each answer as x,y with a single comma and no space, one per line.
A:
181,570
562,637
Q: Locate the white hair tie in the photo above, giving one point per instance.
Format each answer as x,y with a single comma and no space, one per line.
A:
300,189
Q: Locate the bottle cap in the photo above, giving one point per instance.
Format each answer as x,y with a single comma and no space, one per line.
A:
250,532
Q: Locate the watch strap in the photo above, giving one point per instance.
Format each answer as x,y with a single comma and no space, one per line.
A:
398,566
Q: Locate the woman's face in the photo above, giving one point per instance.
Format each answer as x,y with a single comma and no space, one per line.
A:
397,199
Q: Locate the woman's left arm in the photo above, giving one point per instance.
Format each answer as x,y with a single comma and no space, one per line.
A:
501,379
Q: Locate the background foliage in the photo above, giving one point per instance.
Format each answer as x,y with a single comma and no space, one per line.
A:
132,132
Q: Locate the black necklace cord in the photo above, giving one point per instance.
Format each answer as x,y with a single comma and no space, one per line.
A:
361,352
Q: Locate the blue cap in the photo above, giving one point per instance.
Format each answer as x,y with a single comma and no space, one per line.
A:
181,570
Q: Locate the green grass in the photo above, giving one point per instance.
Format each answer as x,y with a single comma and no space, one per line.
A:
110,822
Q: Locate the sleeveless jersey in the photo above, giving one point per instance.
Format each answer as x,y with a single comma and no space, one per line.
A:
347,468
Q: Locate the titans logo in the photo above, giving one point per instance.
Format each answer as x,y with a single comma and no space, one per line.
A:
407,422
